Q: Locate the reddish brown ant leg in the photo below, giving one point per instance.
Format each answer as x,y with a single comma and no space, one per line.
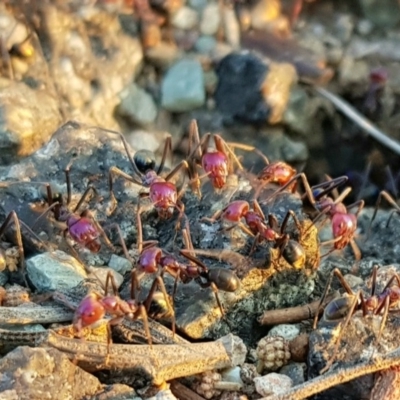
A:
386,305
246,147
85,194
336,272
122,242
114,171
338,339
167,148
224,147
356,250
110,280
158,283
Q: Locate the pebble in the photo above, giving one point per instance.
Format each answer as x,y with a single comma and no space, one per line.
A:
198,5
231,27
54,271
272,384
100,273
382,13
185,18
210,20
137,105
295,371
263,12
205,44
120,264
288,332
163,55
182,88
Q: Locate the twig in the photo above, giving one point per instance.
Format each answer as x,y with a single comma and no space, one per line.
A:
159,363
293,314
34,315
360,120
339,377
183,392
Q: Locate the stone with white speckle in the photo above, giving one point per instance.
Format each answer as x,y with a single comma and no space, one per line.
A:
272,384
288,332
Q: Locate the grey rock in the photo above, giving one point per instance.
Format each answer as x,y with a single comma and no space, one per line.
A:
137,105
295,371
54,271
185,18
198,5
287,331
37,373
211,19
182,88
120,264
382,13
163,55
205,44
238,94
28,118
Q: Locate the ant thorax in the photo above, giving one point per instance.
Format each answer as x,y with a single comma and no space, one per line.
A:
151,177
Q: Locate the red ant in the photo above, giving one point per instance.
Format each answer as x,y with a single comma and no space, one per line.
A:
162,193
95,306
344,224
216,163
258,226
346,306
82,228
152,259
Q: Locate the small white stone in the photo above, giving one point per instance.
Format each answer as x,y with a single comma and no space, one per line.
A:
210,20
185,18
288,332
272,384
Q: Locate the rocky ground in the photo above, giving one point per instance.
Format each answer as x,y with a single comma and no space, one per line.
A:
248,71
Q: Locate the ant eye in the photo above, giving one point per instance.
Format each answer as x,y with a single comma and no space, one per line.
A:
145,160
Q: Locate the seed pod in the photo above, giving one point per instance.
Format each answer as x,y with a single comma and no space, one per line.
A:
273,353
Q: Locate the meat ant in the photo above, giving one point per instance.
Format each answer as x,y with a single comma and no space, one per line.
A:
258,226
153,259
343,308
93,308
344,224
216,163
82,228
162,193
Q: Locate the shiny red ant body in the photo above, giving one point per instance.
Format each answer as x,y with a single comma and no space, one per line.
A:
162,193
152,259
217,163
81,227
258,226
94,307
343,308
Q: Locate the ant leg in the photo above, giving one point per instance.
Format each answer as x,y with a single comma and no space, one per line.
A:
342,329
359,204
88,214
84,196
194,157
116,171
390,200
145,319
285,221
182,164
248,148
373,280
122,242
386,305
159,284
167,148
257,209
110,280
255,242
68,180
223,147
356,250
215,217
392,180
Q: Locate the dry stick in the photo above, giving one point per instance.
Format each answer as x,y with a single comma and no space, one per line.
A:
160,363
35,315
294,314
342,375
360,120
183,392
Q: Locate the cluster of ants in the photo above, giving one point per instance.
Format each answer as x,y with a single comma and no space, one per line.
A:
218,164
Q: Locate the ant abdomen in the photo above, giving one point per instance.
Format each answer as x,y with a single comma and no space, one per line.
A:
145,160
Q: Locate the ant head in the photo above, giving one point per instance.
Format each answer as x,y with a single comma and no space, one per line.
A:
88,312
145,160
